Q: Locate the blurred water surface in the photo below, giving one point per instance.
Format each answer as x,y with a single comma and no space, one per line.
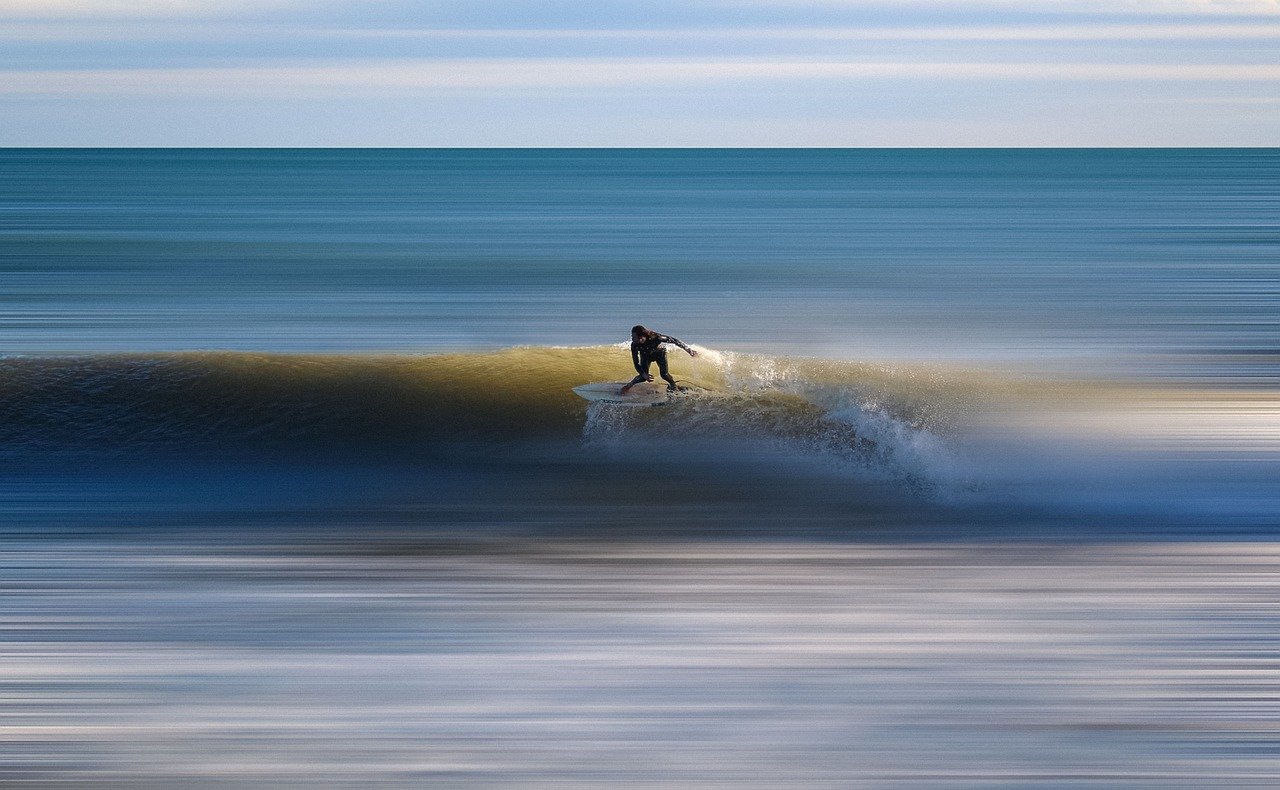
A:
1096,258
428,663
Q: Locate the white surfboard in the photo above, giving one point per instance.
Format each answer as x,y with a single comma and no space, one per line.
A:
642,394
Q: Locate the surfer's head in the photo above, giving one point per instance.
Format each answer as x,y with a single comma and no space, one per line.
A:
640,332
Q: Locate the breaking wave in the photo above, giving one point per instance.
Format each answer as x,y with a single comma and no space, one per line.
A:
949,435
879,420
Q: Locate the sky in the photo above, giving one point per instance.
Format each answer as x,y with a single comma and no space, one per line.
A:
644,73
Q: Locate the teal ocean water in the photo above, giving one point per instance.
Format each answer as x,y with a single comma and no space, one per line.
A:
1119,260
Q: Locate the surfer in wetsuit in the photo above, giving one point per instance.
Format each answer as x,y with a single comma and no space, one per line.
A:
646,348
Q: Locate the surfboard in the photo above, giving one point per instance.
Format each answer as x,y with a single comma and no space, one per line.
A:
642,394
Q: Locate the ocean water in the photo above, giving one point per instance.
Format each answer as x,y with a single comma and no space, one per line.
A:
968,325
1057,257
973,484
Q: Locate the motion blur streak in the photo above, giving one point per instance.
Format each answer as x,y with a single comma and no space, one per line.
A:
972,484
723,665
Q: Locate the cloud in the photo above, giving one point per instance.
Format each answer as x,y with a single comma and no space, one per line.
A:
211,30
604,14
1040,6
135,9
398,77
1012,32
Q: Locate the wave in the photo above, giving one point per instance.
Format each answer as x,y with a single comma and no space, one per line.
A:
957,436
873,415
215,399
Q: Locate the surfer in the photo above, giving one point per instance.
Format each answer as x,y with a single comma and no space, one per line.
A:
646,348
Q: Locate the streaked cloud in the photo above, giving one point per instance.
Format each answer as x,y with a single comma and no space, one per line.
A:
916,65
1040,6
119,31
1095,32
346,77
129,9
599,12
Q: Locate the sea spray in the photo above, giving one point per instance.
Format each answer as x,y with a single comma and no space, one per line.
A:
812,413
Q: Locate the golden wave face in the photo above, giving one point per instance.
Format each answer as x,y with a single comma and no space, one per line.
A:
904,422
954,433
217,398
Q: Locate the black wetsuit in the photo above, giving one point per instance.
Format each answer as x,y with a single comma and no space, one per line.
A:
646,353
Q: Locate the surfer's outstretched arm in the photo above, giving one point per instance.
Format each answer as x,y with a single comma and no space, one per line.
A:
677,342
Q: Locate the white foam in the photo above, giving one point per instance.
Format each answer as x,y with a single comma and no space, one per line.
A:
897,448
861,436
